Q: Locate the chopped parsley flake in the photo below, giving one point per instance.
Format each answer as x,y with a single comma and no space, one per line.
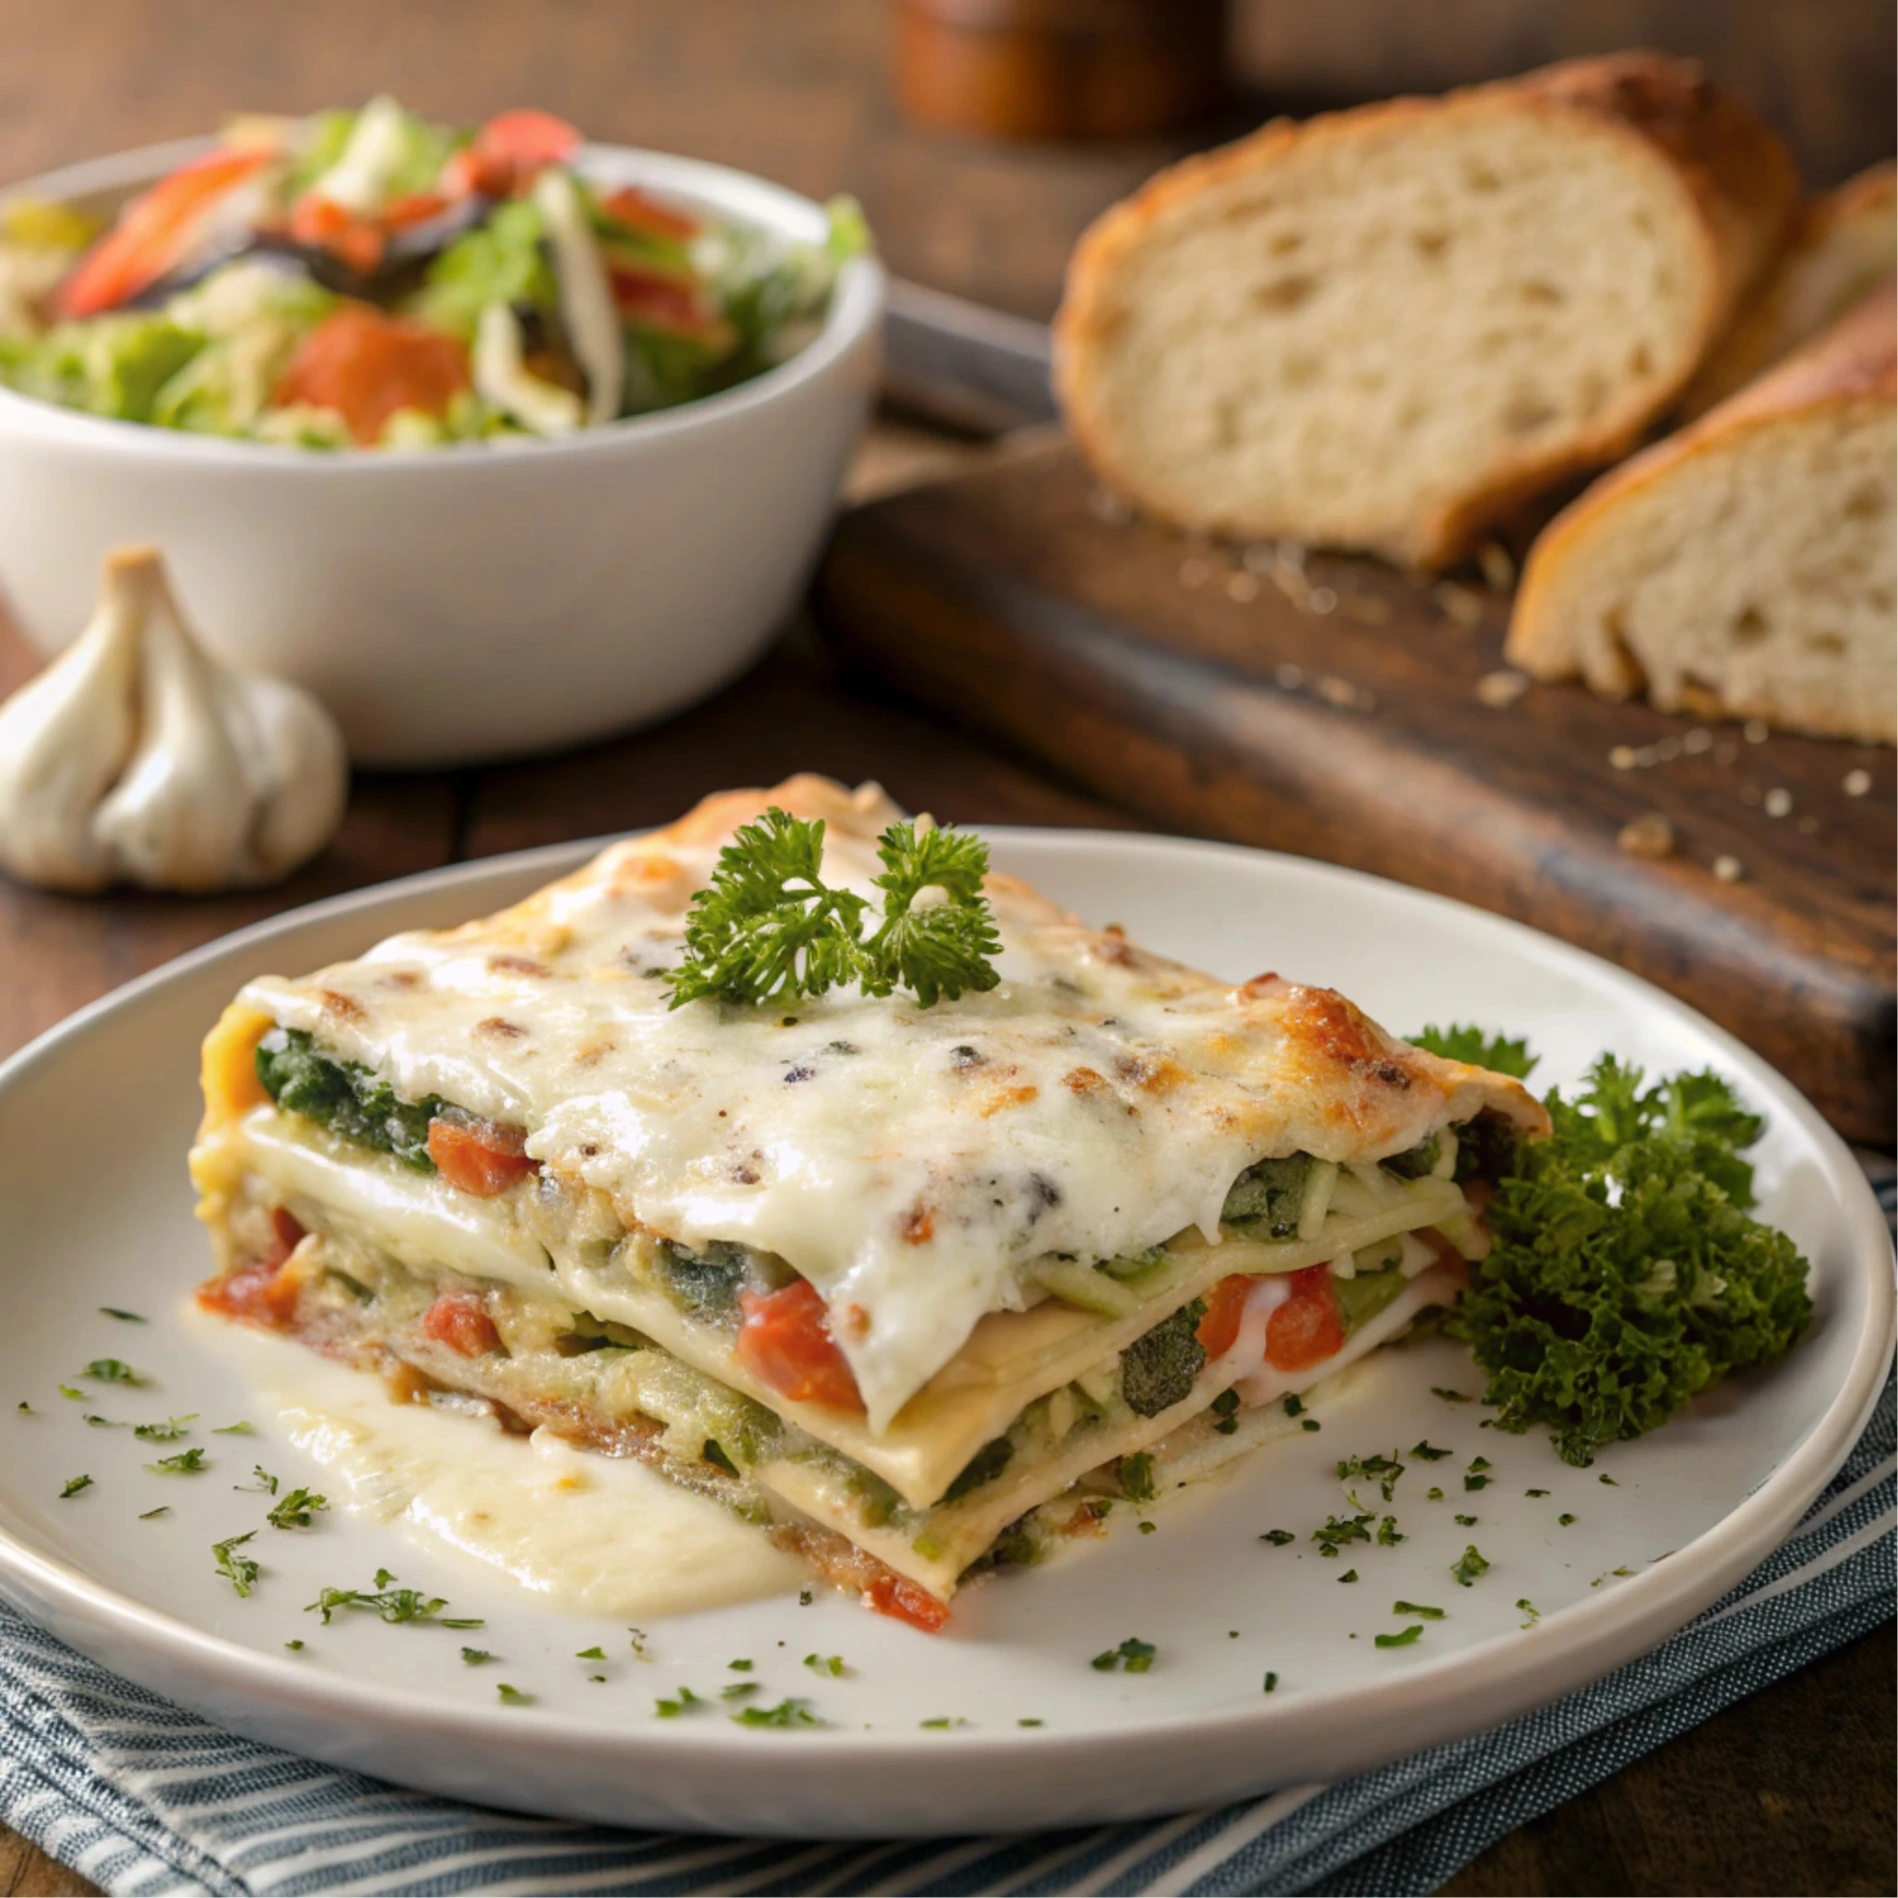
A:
1531,1610
186,1463
295,1647
1416,1608
512,1696
1535,1492
167,1432
787,1713
683,1702
1271,1682
1136,1477
590,1654
1382,1470
66,1390
1310,1423
239,1570
392,1604
1427,1452
1339,1530
941,1724
238,1429
1147,1528
1467,1522
1609,1480
1407,1637
1387,1533
74,1484
1468,1566
1451,1397
832,1664
473,1657
637,1637
296,1509
1278,1537
163,1509
1350,1575
805,1598
130,1317
265,1485
1030,1723
26,1408
1565,1520
1294,1404
740,1690
1133,1656
1433,1495
112,1371
740,1667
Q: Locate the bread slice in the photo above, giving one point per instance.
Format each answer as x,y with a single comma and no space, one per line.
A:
1841,245
1384,328
1744,567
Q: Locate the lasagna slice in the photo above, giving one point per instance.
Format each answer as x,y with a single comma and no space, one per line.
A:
899,1282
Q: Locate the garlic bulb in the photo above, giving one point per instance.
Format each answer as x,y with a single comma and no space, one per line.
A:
136,758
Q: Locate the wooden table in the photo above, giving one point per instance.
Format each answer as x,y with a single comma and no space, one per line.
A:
1790,1791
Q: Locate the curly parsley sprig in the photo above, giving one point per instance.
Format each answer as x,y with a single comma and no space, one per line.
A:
770,929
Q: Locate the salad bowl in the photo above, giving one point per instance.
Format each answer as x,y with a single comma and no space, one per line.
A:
476,601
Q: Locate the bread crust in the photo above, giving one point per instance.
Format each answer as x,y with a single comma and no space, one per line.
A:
1849,366
1838,245
1732,170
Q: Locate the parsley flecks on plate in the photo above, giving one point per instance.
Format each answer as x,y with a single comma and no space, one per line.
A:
769,929
1495,1052
1627,1273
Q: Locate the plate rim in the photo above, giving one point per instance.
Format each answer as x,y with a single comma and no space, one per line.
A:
1573,1647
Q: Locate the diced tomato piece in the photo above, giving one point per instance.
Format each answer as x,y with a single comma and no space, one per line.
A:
785,1341
631,207
479,1156
903,1600
322,224
366,366
399,213
508,151
1306,1329
1225,1310
154,232
261,1292
654,298
289,1230
461,1322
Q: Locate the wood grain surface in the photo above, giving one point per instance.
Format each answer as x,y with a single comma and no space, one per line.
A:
1335,708
1789,1791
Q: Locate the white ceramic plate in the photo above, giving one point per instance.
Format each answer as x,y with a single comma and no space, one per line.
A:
94,1122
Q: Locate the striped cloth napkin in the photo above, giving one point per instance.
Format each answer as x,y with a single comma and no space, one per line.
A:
140,1796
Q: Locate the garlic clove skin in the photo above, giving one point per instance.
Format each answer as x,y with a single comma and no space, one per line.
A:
137,758
178,817
64,738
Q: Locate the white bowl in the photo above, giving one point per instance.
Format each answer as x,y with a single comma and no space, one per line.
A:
472,602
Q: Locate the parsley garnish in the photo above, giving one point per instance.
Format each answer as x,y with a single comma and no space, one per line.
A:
392,1604
684,1702
1427,1452
1535,1492
740,1690
942,1723
1136,1476
1451,1397
1294,1405
787,1713
66,1390
741,1667
1339,1530
512,1696
1416,1608
832,1664
1350,1575
1271,1681
185,1463
295,1647
239,1570
1565,1520
1387,1536
1468,1566
151,1515
296,1509
130,1317
590,1654
1278,1537
1465,1522
1309,1423
238,1429
74,1484
473,1657
1433,1495
769,929
1531,1610
1627,1274
1402,1640
265,1485
167,1432
112,1371
1383,1470
1031,1723
1133,1656
1495,1052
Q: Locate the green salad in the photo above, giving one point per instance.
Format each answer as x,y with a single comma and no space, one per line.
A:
373,280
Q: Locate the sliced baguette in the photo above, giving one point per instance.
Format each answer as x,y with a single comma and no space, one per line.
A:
1385,328
1743,568
1841,246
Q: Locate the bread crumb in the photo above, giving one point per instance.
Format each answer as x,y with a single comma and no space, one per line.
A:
1500,690
1649,835
1499,571
1623,758
1753,732
1243,588
1857,783
1728,869
1779,802
1697,741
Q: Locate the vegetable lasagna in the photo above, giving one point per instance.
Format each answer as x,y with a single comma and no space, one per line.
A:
918,1280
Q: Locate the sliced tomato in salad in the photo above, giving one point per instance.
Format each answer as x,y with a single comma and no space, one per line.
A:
321,223
1306,1329
156,231
506,154
784,1341
637,212
659,299
366,366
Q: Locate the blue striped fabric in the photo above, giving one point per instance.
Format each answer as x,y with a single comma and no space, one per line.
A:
140,1796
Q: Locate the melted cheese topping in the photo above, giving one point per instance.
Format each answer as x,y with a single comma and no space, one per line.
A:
909,1162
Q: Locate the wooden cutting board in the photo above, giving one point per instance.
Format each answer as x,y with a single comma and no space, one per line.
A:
1342,710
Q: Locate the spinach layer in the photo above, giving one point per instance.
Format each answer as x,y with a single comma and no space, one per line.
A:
345,1097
